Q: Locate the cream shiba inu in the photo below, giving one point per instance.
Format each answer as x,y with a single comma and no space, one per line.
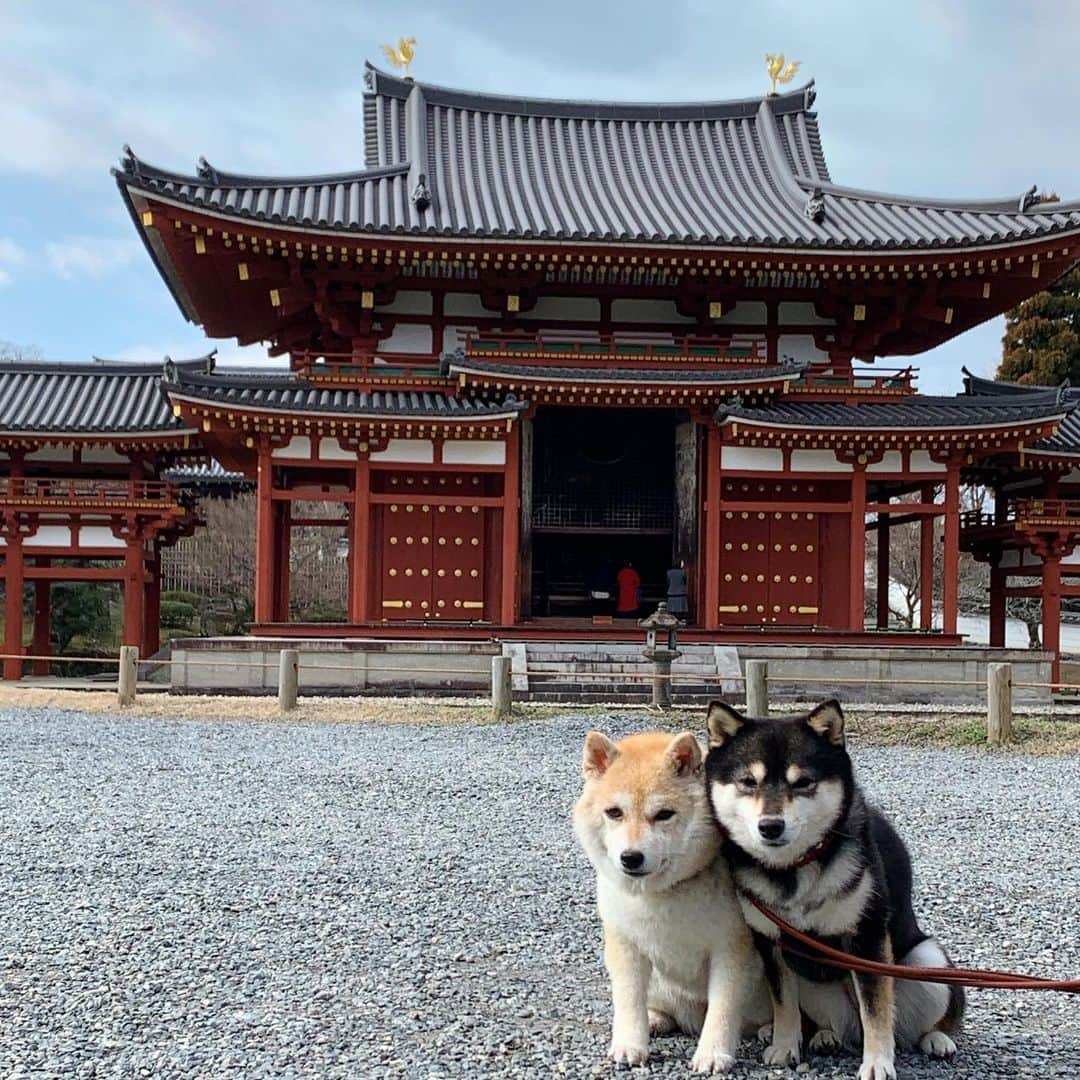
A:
677,950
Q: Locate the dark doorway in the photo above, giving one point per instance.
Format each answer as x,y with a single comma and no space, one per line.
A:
602,496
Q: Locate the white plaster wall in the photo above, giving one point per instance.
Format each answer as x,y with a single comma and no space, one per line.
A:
454,337
893,461
298,447
647,311
745,311
407,338
801,313
464,304
467,452
408,302
800,347
421,451
52,453
330,449
920,462
577,308
103,455
98,536
817,461
50,536
760,458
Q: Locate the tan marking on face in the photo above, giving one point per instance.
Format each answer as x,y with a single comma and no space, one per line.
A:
793,773
757,771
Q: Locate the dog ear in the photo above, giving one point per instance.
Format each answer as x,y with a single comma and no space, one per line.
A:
828,720
684,753
600,752
722,721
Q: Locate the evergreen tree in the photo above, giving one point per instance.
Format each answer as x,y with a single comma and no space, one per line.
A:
1041,345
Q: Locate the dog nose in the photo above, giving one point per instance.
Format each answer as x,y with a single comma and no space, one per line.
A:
772,828
632,860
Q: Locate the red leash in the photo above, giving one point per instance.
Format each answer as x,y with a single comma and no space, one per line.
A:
973,977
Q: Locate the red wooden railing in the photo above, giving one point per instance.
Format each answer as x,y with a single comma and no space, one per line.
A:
1026,513
362,367
85,490
878,380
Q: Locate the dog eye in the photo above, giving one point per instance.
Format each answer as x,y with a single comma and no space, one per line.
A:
663,815
613,812
747,782
803,783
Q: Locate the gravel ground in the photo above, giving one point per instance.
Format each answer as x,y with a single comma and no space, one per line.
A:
201,899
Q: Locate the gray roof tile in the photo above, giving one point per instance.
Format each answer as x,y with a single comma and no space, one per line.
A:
736,173
558,372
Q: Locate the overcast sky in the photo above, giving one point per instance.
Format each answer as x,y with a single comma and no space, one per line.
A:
977,98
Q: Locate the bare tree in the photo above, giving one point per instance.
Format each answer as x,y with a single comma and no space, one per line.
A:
13,352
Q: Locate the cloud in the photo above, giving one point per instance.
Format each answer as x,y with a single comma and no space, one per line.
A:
11,256
89,256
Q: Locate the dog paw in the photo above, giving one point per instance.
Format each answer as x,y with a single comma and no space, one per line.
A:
781,1054
937,1044
711,1060
825,1042
764,1034
628,1053
660,1023
877,1068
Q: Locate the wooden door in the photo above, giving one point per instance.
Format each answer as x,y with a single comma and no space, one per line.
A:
406,585
458,543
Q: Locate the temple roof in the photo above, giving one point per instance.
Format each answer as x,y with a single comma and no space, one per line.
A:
924,413
100,397
253,390
1066,440
557,373
747,173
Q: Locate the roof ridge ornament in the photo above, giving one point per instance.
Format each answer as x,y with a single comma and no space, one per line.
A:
207,172
778,72
421,194
401,55
129,162
815,206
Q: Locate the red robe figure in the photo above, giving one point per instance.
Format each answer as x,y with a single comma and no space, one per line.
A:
629,582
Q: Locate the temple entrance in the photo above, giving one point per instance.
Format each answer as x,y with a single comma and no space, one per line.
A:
603,496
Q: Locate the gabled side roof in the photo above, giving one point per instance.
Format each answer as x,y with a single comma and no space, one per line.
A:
453,163
98,398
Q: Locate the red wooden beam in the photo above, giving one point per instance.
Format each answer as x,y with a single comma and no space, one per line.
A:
950,579
709,568
264,536
511,527
857,602
361,544
13,603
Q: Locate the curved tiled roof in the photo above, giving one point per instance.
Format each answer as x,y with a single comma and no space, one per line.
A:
560,373
925,413
740,173
282,393
103,397
1066,440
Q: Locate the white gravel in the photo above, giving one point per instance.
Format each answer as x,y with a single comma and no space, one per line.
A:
194,899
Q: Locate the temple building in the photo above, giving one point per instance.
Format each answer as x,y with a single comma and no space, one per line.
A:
532,341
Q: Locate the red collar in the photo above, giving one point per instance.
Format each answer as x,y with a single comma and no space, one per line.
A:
813,854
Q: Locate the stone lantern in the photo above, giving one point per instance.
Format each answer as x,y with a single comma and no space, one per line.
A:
661,631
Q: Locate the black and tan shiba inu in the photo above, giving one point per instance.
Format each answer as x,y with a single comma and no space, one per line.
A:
804,841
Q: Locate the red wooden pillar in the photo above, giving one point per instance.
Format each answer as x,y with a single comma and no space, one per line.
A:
950,578
710,564
883,569
134,590
152,615
282,555
998,580
360,553
511,527
13,603
1051,611
265,547
926,563
40,645
857,608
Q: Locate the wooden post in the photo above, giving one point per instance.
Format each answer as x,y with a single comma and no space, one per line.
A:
709,568
501,687
264,536
282,549
360,552
998,703
1051,612
857,607
757,688
288,679
13,603
525,536
950,576
134,588
998,581
511,524
152,614
40,645
127,675
926,563
883,571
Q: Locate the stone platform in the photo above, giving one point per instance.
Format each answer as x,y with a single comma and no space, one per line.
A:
594,672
